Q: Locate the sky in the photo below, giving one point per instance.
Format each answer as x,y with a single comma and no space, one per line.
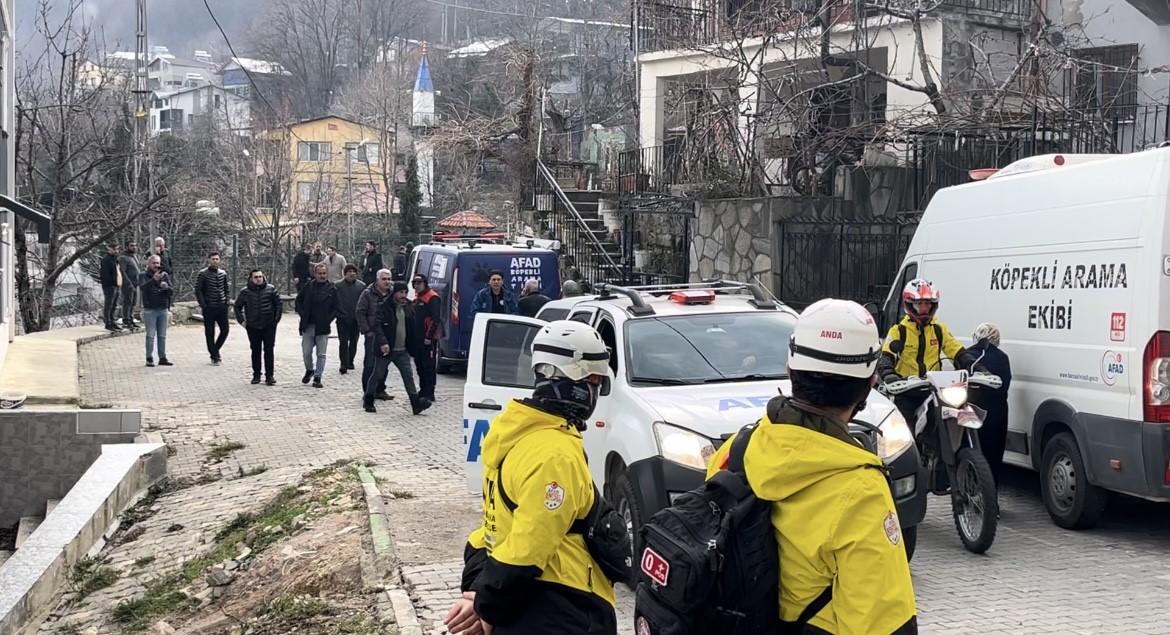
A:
181,25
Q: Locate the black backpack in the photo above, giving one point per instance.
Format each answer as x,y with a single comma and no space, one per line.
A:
603,529
710,563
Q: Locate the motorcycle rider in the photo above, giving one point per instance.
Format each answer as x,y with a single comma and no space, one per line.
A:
524,571
848,541
916,344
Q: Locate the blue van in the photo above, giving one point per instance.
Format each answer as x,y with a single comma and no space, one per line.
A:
457,271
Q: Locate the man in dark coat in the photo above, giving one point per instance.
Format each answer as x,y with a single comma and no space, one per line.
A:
110,276
428,313
349,290
371,264
301,269
993,434
395,340
400,264
317,304
258,310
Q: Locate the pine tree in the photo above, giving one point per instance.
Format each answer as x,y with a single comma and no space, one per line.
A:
410,201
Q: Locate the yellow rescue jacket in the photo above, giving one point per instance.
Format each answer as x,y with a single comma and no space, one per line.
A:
534,463
922,348
835,523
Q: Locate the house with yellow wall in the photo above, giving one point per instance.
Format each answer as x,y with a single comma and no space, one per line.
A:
337,165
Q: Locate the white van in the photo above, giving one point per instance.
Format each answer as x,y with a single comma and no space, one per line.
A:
1070,257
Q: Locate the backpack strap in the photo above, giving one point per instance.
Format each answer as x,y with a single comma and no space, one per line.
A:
816,606
739,447
902,333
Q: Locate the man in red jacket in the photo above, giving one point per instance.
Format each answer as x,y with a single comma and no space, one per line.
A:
428,310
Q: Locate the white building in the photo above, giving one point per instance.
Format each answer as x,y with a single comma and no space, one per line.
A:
186,108
970,47
170,73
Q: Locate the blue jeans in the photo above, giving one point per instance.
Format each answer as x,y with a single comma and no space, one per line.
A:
310,341
156,326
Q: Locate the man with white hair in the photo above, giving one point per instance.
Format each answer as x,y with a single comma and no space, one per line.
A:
164,255
531,299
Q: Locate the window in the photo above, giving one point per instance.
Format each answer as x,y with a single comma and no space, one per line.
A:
319,151
1105,78
507,357
609,336
552,315
311,191
367,153
704,348
584,317
218,102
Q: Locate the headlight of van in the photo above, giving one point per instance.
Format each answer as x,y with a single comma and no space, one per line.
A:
895,438
682,446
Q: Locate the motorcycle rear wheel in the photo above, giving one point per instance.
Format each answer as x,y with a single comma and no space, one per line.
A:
974,502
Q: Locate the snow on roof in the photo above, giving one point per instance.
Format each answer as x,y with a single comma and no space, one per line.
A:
617,25
479,48
260,67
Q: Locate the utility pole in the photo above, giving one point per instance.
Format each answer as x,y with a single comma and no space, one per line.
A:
349,150
141,113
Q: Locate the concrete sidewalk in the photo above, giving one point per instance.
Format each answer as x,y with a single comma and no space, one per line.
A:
44,366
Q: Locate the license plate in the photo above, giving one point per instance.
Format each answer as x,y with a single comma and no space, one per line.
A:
969,419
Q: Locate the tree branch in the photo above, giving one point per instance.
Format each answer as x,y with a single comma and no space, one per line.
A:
67,262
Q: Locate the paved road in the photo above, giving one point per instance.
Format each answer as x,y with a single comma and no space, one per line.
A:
1036,579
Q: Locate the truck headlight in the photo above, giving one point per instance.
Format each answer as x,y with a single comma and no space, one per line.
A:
954,396
682,446
895,438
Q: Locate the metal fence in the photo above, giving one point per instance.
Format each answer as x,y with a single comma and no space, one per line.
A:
852,260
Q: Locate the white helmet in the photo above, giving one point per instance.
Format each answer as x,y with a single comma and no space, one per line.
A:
837,337
988,330
569,349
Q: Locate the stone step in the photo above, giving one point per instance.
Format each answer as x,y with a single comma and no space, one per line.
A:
4,556
25,529
51,505
583,196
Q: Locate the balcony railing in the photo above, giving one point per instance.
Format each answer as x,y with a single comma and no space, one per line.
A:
679,24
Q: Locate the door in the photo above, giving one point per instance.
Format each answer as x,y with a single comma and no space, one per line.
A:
596,436
499,369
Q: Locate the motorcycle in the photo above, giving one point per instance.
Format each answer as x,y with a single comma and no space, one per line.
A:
946,432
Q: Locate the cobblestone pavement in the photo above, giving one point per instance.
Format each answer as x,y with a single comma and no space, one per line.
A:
1036,578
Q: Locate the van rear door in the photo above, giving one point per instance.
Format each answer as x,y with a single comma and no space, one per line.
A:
499,369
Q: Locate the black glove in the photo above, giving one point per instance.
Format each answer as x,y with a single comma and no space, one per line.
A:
890,378
980,368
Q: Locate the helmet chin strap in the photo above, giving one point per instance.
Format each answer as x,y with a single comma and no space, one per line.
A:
563,397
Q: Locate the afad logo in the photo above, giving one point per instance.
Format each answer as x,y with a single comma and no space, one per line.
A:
1112,367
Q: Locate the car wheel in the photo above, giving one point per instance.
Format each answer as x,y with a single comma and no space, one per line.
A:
1072,502
626,504
910,541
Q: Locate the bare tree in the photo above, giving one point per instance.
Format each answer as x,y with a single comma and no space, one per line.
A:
74,151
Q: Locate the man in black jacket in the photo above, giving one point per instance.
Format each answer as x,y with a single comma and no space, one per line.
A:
164,256
396,339
317,304
258,310
211,292
428,312
110,276
301,269
349,289
367,320
400,264
154,284
371,264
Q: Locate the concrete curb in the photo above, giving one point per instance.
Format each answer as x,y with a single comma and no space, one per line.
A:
385,559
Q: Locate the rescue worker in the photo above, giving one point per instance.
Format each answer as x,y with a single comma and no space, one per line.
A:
916,344
846,551
524,571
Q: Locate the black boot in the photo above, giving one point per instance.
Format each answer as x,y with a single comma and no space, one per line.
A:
255,378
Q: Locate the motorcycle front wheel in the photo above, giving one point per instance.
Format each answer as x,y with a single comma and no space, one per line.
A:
973,501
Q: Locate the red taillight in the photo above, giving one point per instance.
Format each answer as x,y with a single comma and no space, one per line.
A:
1059,160
455,297
1156,379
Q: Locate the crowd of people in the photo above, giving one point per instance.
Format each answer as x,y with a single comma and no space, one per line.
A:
374,311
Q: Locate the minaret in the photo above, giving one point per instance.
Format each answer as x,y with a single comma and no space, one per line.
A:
422,124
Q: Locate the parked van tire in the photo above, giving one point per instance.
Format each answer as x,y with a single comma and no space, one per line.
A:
1072,501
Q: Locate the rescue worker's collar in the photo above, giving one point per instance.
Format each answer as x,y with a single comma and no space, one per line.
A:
784,409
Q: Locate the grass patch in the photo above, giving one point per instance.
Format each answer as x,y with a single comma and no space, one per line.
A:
94,405
221,451
297,607
401,493
258,531
89,575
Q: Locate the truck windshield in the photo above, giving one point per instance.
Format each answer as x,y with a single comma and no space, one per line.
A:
696,349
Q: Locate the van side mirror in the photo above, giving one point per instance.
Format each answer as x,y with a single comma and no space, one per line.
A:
606,386
875,311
